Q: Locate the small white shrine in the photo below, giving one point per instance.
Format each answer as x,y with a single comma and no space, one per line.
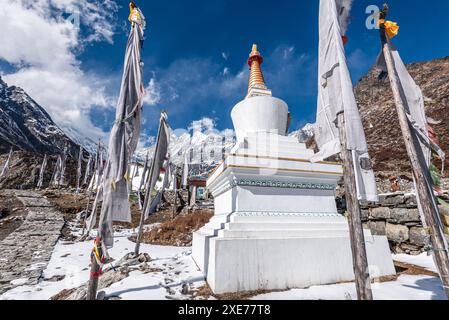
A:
276,224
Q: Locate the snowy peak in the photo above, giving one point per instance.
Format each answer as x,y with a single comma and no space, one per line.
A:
202,147
26,126
305,134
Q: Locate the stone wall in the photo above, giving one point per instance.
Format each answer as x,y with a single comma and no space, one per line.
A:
397,217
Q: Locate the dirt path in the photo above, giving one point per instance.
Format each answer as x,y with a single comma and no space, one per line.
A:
25,253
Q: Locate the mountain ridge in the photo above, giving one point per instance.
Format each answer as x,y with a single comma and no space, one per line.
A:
26,126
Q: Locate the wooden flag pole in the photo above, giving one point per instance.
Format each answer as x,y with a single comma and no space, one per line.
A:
95,271
175,205
359,257
424,193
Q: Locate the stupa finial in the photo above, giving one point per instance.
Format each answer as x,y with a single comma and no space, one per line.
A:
256,86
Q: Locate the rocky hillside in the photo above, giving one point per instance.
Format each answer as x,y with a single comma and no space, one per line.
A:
380,120
26,126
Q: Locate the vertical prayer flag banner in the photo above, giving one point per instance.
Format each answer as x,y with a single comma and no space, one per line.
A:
6,166
78,170
123,139
63,167
144,173
165,184
87,172
160,156
41,173
185,171
415,111
57,172
335,96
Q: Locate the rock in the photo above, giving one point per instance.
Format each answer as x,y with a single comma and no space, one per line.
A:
101,295
378,228
380,213
144,257
410,200
365,214
410,248
397,233
391,201
444,210
403,215
185,289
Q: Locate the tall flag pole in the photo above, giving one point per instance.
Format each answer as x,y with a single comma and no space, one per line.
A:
142,180
79,170
122,144
55,178
160,156
63,167
412,119
87,172
7,164
340,130
96,167
41,173
185,171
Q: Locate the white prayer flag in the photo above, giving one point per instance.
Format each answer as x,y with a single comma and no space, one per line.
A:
123,140
160,156
41,173
6,166
335,95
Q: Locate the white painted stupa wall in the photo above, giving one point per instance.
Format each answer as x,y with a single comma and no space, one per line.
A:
258,114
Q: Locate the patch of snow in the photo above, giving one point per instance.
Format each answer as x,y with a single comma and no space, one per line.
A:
19,282
422,260
407,287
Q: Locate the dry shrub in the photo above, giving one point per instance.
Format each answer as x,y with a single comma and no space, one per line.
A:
177,232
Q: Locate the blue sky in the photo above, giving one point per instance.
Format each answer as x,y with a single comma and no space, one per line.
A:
195,55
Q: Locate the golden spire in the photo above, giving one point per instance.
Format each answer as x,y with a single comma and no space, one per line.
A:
256,84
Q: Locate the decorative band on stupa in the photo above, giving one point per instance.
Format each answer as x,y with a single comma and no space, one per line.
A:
256,85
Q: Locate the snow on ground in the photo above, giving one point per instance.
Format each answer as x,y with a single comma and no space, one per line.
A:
72,261
69,268
422,260
407,287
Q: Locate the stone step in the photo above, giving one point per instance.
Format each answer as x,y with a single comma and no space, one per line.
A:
291,233
273,153
305,218
217,222
239,226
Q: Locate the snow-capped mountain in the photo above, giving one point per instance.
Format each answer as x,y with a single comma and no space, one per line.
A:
304,134
203,146
26,126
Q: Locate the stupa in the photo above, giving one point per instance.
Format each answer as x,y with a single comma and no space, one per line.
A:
276,224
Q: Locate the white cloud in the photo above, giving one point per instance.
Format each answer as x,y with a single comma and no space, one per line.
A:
226,71
225,55
204,124
152,93
42,46
288,52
